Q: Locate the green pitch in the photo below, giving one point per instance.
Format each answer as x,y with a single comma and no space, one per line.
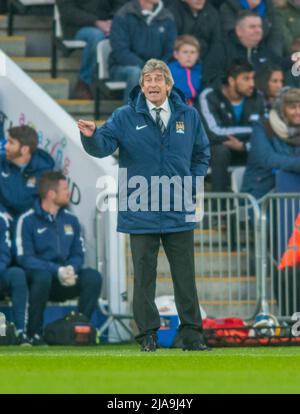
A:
124,369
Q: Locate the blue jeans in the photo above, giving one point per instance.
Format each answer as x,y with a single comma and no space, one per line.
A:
129,74
13,282
44,286
92,36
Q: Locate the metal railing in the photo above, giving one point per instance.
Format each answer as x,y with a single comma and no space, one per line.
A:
238,247
280,289
227,258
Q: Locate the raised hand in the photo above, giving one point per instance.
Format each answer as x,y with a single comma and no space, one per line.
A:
87,128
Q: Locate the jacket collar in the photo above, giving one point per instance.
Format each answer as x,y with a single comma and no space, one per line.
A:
40,212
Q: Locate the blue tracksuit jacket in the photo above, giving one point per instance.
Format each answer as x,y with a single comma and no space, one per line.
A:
18,189
5,242
45,242
183,150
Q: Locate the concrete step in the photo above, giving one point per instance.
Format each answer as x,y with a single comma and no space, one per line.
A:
235,288
84,108
213,263
28,22
57,88
215,288
13,45
43,64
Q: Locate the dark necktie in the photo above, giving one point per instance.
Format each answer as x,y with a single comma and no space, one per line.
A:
159,121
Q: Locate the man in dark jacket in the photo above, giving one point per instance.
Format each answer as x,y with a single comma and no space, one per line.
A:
50,249
246,43
272,31
141,30
20,169
90,21
159,137
227,114
12,280
200,19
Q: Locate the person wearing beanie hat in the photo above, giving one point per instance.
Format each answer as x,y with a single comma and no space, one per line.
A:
275,144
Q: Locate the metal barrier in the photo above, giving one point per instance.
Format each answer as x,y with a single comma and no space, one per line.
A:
280,288
227,258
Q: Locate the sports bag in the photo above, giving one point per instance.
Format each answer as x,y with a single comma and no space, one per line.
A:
73,329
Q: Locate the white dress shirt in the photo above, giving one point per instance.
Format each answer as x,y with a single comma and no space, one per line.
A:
165,114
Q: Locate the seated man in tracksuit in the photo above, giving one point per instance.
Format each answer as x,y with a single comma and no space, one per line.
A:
20,169
228,113
12,280
50,249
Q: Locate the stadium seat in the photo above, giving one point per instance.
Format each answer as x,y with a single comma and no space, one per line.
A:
67,46
23,7
103,83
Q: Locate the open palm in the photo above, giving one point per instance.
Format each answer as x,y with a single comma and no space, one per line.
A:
86,127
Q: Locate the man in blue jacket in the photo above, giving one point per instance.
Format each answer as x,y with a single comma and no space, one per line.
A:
141,30
158,136
50,249
20,169
275,144
12,280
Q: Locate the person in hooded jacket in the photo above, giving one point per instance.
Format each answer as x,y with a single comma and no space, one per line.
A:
20,169
159,137
275,144
141,30
51,251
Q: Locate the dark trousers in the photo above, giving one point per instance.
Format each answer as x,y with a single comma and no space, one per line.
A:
13,282
44,286
179,249
222,158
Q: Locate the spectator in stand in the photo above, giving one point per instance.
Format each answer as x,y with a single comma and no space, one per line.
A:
12,280
275,144
272,31
227,114
289,13
269,81
247,43
186,69
142,29
199,18
21,167
50,249
90,21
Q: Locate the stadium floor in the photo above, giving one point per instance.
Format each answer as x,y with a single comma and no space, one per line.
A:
124,369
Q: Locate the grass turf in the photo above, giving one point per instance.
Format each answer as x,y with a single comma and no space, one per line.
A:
124,369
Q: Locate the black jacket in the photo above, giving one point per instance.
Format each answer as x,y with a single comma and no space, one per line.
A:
206,27
260,56
77,13
219,119
271,24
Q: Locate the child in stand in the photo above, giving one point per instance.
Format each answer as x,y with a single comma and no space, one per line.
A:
186,69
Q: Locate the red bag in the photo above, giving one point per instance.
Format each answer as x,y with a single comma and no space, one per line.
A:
227,327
